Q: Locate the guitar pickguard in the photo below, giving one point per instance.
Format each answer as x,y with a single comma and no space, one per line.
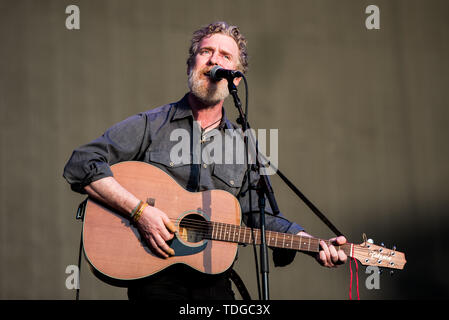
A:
189,240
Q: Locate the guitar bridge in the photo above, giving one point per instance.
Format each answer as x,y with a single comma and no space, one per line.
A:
151,201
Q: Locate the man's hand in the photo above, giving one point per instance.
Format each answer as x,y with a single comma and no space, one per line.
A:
153,224
328,256
156,229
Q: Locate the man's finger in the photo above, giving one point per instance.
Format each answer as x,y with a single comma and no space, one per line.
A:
163,245
342,256
322,258
155,247
333,254
327,255
170,226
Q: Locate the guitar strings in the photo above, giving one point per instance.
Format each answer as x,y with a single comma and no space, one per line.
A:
205,229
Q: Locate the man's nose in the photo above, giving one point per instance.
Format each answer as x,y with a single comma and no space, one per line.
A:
214,59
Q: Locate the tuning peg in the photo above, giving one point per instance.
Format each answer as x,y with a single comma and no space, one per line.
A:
370,241
380,271
382,244
391,272
392,253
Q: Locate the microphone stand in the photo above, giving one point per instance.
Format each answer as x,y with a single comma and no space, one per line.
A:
263,189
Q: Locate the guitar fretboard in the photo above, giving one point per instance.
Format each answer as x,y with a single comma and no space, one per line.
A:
240,234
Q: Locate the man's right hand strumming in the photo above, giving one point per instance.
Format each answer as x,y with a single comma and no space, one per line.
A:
156,229
153,224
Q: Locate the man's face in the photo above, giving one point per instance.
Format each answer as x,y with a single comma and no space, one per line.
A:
217,49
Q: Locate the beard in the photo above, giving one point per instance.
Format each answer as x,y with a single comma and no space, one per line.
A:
207,91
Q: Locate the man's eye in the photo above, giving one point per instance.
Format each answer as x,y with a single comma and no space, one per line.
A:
227,57
204,51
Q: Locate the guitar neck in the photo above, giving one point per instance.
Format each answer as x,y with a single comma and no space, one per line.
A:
245,235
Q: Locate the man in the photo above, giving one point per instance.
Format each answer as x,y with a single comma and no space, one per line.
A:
145,137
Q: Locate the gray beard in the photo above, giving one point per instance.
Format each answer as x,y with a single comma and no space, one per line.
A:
208,95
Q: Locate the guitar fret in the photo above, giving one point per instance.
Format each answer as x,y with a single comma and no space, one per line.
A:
244,238
217,226
221,232
217,232
226,232
271,238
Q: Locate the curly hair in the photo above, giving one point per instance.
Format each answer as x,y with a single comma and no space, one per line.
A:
223,28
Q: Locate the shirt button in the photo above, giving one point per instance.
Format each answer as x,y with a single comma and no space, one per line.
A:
231,182
171,164
204,166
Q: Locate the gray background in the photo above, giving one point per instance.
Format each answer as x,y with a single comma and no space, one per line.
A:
362,118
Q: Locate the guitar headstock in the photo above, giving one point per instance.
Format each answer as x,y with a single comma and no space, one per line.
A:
370,254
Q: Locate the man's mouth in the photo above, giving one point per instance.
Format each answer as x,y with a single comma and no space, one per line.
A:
207,74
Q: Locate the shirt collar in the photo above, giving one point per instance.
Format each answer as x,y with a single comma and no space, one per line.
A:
183,110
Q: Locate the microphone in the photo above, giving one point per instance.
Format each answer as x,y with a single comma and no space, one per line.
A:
217,73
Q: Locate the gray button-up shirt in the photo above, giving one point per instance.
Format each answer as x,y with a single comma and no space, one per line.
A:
155,137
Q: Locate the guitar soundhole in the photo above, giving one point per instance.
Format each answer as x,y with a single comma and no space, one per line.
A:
193,228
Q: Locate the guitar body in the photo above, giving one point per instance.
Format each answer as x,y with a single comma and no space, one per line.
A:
114,247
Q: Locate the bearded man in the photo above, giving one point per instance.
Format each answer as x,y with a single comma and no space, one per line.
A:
146,137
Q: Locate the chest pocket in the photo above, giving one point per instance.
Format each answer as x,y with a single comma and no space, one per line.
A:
229,177
163,158
179,171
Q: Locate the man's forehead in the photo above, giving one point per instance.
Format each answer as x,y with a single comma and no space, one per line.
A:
220,41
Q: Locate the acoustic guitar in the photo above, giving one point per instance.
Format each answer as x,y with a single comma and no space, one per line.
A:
208,230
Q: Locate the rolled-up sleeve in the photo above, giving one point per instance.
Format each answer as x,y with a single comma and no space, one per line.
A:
124,141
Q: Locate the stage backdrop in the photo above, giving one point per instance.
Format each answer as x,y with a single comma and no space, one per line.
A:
362,116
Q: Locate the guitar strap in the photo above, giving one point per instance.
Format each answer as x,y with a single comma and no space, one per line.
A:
80,216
